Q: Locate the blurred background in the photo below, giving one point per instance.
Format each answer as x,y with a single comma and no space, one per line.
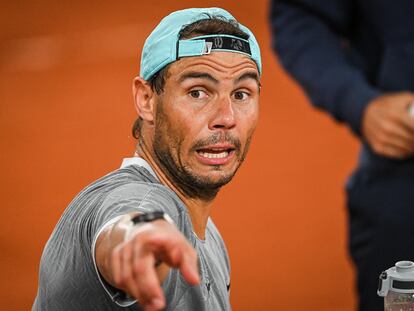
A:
66,110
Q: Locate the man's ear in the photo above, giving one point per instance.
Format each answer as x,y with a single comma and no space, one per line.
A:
144,99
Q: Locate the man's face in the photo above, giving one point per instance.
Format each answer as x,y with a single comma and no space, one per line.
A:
205,119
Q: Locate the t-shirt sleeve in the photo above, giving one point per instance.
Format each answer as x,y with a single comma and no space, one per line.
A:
134,197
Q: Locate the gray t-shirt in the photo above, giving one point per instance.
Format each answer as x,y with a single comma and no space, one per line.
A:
68,278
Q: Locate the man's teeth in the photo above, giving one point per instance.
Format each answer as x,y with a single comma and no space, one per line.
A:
214,155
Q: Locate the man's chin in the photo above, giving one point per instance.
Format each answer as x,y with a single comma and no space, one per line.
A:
205,189
214,182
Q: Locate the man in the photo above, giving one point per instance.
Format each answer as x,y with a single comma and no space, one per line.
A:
354,60
141,236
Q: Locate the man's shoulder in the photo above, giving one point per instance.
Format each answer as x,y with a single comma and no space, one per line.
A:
123,183
132,174
144,190
135,186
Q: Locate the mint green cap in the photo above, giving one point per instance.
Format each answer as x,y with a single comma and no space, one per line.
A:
163,46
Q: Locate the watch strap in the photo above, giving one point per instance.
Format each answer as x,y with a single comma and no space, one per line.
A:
151,216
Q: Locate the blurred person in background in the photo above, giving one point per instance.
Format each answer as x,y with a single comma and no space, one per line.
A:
355,60
141,237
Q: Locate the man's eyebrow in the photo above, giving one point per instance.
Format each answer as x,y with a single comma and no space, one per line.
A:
249,75
198,75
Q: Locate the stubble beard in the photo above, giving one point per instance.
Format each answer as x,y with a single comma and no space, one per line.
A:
167,155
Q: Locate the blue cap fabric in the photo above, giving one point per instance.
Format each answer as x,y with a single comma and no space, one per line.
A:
163,46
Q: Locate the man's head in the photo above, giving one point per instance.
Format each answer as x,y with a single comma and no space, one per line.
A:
198,108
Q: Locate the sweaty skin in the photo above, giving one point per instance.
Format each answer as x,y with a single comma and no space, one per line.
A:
195,135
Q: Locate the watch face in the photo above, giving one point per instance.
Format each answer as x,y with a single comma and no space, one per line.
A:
148,217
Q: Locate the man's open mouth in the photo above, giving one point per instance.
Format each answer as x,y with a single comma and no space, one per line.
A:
215,153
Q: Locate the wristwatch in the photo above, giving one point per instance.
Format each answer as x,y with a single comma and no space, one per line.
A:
148,217
151,216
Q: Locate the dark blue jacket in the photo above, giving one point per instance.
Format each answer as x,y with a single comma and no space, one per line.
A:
346,52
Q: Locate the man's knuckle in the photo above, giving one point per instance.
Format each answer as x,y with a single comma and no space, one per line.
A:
138,269
387,128
380,140
151,288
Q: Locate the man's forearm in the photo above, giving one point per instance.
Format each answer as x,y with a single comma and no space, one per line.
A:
112,236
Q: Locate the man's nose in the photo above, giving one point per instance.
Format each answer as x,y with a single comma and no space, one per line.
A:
223,115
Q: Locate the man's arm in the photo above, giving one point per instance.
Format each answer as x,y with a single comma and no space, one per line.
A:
307,35
128,257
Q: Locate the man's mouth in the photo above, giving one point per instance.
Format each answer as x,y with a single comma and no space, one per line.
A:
213,155
216,154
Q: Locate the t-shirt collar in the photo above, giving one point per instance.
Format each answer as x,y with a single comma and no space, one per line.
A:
140,162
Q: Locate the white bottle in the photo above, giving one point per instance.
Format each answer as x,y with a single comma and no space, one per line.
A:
397,287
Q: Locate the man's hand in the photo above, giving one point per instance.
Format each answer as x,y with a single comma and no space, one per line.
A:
388,127
133,265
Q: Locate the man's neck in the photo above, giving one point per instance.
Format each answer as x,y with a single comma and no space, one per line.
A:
198,209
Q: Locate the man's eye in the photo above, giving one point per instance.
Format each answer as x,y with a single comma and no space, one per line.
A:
239,95
199,94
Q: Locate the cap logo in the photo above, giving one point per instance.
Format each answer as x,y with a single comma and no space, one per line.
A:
236,44
218,42
207,48
228,43
206,44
